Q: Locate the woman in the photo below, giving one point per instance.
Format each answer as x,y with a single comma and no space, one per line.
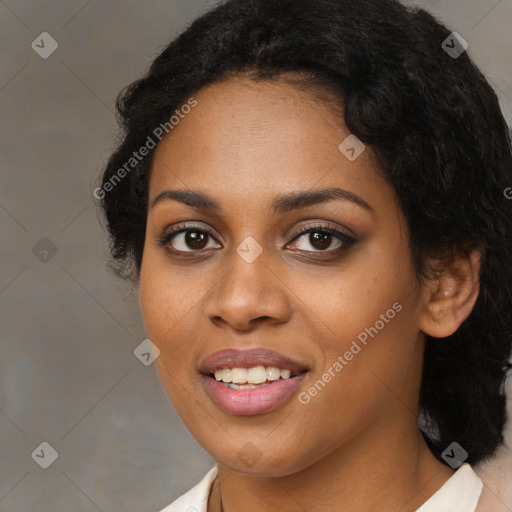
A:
310,196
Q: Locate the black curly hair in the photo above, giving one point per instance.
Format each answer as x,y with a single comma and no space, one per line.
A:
434,123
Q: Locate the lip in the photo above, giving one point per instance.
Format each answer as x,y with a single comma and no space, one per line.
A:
232,358
248,402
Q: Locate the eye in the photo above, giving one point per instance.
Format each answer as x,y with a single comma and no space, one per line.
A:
321,238
318,238
184,238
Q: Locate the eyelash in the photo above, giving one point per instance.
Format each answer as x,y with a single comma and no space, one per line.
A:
346,240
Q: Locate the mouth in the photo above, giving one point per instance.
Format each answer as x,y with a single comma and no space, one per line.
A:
250,382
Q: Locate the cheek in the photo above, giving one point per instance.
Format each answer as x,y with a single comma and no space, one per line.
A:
165,301
369,316
167,307
171,302
349,300
165,294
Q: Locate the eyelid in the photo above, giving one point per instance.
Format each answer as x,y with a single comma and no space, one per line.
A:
326,226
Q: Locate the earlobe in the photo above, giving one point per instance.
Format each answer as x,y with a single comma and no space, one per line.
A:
450,298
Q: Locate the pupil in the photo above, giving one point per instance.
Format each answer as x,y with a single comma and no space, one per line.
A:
195,239
320,240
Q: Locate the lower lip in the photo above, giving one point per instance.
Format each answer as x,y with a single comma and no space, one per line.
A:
248,402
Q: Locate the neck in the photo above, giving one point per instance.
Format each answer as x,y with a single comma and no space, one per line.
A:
389,474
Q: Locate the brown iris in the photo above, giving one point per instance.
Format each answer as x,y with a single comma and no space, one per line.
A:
320,240
196,239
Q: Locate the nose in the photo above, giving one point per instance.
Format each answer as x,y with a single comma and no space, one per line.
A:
247,295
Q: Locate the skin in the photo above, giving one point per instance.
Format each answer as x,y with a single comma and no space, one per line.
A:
355,446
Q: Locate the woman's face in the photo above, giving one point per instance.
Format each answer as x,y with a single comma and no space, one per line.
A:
289,253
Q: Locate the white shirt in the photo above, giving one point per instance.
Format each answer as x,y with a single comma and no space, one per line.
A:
460,493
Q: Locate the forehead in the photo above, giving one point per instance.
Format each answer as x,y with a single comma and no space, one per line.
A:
251,139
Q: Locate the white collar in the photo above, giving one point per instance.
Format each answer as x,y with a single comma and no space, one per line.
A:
460,493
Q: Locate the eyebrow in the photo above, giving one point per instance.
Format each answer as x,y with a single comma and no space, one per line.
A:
281,204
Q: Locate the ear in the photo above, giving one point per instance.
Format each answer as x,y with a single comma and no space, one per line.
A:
450,297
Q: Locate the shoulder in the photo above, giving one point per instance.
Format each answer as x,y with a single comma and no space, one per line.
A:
195,500
496,474
490,502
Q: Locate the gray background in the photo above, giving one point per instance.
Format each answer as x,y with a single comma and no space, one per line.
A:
68,375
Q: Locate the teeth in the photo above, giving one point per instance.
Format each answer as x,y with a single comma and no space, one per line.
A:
239,376
225,375
273,373
254,375
244,386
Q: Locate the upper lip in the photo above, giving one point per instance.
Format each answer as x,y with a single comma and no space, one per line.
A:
233,358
